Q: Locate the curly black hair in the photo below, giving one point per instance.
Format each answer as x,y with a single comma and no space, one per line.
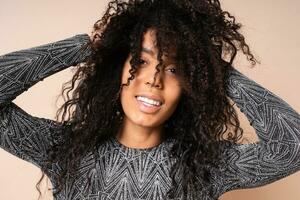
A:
206,40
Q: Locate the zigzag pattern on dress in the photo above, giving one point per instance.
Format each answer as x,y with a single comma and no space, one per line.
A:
277,125
121,172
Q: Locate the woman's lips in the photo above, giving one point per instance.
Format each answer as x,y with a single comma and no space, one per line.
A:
147,108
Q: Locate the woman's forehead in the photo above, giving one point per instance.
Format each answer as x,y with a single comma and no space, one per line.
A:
149,46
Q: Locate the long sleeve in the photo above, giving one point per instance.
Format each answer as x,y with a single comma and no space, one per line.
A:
277,125
21,134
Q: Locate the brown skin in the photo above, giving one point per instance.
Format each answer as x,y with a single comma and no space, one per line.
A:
141,129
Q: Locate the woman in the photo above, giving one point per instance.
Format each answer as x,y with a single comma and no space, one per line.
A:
150,116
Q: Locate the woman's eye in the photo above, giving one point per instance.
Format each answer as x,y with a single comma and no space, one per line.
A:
173,70
141,61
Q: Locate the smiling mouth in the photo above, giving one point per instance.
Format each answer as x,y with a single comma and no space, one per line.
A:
146,107
149,101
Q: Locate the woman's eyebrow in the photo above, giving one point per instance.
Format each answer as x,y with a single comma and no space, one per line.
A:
149,51
169,57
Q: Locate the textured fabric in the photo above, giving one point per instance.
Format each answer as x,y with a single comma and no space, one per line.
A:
121,172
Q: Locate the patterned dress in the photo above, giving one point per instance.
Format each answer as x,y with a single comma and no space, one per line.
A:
120,172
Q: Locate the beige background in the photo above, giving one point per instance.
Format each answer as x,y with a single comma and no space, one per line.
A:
271,28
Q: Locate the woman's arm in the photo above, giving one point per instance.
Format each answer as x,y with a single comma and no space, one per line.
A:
277,125
21,134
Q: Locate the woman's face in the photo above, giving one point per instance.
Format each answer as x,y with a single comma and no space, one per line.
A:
166,89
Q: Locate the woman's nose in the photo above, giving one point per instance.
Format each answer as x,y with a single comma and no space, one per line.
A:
155,77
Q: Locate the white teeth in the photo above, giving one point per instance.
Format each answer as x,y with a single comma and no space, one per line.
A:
149,101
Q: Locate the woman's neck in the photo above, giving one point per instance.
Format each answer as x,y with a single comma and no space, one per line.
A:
132,135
